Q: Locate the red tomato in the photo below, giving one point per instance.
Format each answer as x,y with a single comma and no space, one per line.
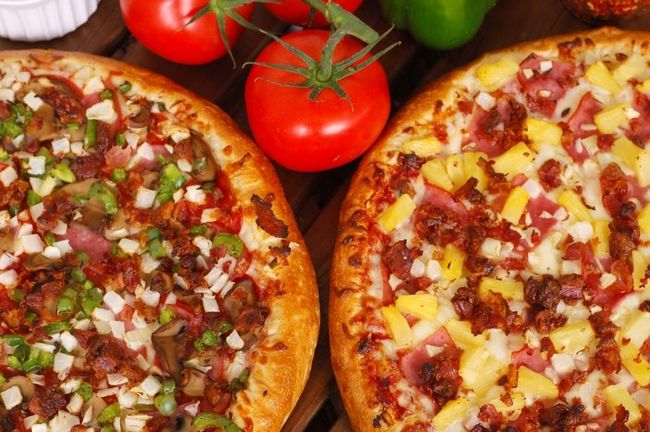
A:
297,11
161,26
306,135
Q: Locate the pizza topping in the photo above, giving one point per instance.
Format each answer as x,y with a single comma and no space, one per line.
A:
535,213
124,277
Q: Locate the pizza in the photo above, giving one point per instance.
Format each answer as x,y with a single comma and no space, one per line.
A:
152,277
491,270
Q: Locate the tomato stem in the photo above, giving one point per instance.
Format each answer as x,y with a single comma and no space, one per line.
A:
325,74
340,18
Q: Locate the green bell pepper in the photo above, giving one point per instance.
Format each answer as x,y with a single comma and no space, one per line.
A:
439,24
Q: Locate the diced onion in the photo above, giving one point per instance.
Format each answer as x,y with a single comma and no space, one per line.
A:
150,385
144,198
9,278
210,304
36,165
62,364
235,341
114,301
8,175
11,397
102,111
60,146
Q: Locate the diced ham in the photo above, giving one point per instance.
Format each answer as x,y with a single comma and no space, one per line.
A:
538,206
150,164
117,157
444,200
413,361
500,128
531,358
584,115
89,241
544,89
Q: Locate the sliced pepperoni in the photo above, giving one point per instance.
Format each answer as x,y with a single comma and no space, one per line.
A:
544,89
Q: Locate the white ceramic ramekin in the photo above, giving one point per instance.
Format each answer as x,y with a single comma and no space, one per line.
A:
37,20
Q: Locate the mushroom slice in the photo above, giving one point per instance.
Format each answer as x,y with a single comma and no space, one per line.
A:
201,151
193,382
180,424
40,262
43,126
166,342
24,384
240,296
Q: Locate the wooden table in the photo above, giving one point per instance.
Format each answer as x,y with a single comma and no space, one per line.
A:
316,198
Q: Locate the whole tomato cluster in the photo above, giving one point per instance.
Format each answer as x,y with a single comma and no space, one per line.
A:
315,99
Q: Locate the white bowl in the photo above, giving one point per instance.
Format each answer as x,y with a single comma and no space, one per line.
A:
38,20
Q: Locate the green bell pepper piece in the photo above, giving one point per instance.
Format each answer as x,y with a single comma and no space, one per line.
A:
438,24
101,192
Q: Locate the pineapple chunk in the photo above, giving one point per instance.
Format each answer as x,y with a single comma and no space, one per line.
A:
535,385
397,326
600,242
573,337
635,363
633,67
636,328
541,132
515,160
644,220
515,205
510,289
435,173
452,412
639,266
512,410
626,151
494,75
608,120
480,370
572,202
396,213
472,169
452,263
424,147
456,170
423,306
599,75
642,168
461,334
617,395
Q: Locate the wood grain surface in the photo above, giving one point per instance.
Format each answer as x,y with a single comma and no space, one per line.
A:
316,198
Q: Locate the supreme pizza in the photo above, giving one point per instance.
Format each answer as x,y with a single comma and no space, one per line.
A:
491,271
152,277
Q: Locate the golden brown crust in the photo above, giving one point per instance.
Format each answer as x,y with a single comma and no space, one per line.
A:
347,281
282,360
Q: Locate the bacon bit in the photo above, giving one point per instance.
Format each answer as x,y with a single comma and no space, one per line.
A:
615,188
107,354
47,401
645,306
56,207
544,293
479,266
67,106
439,375
605,142
438,226
576,377
563,417
549,174
625,232
86,167
546,320
468,191
607,358
464,302
14,194
267,220
621,419
410,163
4,111
415,284
497,181
488,414
602,10
493,312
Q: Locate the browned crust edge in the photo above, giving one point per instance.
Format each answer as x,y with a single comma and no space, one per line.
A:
283,360
346,281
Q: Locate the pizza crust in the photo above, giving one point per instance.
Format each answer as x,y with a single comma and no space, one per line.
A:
348,282
282,360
